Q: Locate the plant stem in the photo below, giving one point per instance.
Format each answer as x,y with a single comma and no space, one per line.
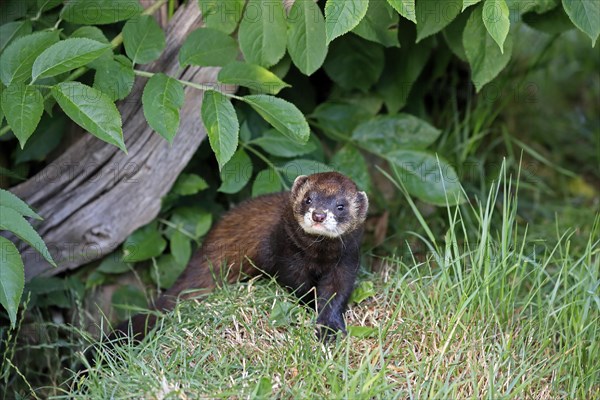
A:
177,228
266,161
198,86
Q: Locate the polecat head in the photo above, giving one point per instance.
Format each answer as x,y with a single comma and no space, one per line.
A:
328,204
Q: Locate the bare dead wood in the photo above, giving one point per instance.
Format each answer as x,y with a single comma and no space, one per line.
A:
93,196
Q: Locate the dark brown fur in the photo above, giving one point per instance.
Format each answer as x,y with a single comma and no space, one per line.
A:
267,231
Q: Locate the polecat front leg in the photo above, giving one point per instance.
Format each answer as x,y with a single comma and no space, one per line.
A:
333,291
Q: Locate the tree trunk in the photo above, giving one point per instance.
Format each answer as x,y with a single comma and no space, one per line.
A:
94,195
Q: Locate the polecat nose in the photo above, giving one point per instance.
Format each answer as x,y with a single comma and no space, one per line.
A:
319,216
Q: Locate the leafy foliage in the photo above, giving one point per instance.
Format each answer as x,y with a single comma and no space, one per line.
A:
207,47
23,106
143,39
312,37
12,219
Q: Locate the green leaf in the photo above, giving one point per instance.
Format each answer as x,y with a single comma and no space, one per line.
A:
482,52
13,31
553,22
13,10
402,69
144,244
283,313
188,184
295,168
453,34
263,388
262,33
45,5
388,133
306,40
341,16
114,264
1,111
92,110
236,173
282,67
9,200
162,100
353,50
496,20
90,32
585,15
426,178
363,291
349,161
60,299
144,39
539,6
246,132
23,107
67,55
281,146
362,331
166,271
223,15
46,285
181,248
44,140
195,221
12,278
255,124
469,3
207,47
11,220
19,56
434,15
115,77
127,300
406,8
371,102
266,181
99,12
95,279
338,120
221,123
282,115
380,24
251,76
10,174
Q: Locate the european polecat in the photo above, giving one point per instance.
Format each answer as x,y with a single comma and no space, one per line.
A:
307,238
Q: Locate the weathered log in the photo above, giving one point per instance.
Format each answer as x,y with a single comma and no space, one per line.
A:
94,195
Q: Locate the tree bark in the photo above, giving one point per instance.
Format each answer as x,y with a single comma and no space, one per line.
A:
93,196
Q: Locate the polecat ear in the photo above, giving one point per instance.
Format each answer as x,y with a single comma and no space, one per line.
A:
363,205
298,182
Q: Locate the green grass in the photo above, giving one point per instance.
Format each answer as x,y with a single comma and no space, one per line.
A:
488,313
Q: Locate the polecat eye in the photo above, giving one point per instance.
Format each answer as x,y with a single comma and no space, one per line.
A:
308,200
340,207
